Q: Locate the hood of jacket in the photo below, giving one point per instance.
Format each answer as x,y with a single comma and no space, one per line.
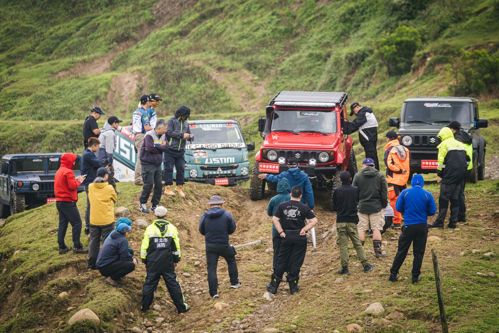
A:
107,127
417,180
398,148
116,234
297,174
215,212
464,137
99,185
68,160
369,172
283,186
445,134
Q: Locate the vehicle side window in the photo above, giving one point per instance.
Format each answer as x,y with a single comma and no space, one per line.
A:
5,167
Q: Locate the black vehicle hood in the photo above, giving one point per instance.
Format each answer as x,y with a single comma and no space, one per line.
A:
33,177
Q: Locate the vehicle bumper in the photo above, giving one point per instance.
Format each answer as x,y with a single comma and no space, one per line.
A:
419,158
231,180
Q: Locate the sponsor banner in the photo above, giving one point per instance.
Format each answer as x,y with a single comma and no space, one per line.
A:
429,164
124,156
268,167
215,145
222,181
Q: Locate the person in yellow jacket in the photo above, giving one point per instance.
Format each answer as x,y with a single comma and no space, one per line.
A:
452,166
102,198
160,251
397,171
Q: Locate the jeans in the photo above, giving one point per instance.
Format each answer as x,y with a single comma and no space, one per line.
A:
291,256
139,141
98,233
348,231
151,175
448,193
68,214
151,283
174,158
87,210
117,269
213,252
415,234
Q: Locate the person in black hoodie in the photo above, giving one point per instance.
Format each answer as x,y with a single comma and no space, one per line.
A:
344,201
367,125
216,225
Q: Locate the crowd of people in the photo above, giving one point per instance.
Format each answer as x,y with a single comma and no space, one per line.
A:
367,203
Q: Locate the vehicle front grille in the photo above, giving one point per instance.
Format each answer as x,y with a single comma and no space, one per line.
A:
46,187
425,140
215,168
300,155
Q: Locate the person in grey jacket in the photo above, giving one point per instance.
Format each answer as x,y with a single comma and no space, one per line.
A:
107,139
177,134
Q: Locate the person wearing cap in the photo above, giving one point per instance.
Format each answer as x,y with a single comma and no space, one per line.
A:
177,134
66,195
295,177
90,127
151,111
344,201
216,224
416,204
372,202
466,139
160,251
397,171
283,190
367,125
452,167
102,197
90,163
151,158
140,126
107,139
116,259
292,220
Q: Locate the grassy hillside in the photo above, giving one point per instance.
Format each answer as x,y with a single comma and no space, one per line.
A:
58,59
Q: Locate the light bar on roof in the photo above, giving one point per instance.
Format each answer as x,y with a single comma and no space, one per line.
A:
322,105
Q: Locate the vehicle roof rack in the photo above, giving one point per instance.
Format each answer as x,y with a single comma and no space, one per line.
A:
310,98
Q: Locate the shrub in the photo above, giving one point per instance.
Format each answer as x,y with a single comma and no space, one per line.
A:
397,50
476,72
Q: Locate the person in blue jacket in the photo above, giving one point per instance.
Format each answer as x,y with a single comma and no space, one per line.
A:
295,177
415,204
116,259
283,195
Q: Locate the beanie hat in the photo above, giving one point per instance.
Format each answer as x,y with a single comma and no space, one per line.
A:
183,111
123,224
160,211
455,125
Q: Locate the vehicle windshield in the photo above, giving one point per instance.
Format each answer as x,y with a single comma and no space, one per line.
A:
304,121
30,165
216,133
437,113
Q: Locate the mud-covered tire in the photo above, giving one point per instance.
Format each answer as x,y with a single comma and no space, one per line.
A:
473,175
352,164
17,203
257,186
481,168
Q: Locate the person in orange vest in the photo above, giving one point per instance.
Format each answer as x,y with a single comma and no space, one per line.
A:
397,171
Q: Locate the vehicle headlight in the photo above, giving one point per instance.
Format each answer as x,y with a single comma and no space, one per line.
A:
244,171
312,161
272,155
281,160
406,140
323,157
193,173
35,187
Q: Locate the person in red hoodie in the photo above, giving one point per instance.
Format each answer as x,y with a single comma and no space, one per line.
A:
66,196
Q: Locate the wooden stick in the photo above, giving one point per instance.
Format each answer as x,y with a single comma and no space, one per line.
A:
443,319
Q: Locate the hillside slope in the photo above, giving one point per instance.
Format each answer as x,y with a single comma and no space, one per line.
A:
33,275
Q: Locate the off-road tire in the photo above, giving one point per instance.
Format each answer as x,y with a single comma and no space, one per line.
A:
257,186
481,168
17,203
352,164
473,175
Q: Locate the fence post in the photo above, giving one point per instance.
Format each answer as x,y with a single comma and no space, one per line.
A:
443,319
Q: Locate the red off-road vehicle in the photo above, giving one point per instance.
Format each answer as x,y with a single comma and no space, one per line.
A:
305,126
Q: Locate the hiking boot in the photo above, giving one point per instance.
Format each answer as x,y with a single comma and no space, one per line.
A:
169,191
235,286
63,250
377,249
153,208
293,287
416,279
452,225
273,285
343,271
368,268
180,191
393,277
436,225
91,266
87,231
112,282
143,208
185,309
80,250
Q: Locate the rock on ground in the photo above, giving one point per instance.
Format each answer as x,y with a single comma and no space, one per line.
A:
268,296
141,223
271,330
122,212
63,295
375,309
220,305
353,328
434,239
84,314
396,316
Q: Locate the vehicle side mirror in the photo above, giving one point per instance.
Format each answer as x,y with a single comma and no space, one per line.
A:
250,146
482,123
394,122
261,124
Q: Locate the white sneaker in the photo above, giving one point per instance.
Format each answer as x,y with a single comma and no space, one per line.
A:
235,286
215,296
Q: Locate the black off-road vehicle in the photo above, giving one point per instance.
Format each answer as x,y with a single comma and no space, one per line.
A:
422,118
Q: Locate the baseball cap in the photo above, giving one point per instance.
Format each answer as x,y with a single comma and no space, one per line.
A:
144,99
155,97
216,200
160,211
97,109
391,135
113,119
368,161
353,106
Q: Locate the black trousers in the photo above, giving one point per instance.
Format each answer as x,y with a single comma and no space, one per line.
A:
417,235
448,193
117,269
68,214
174,158
87,210
462,203
370,149
291,256
213,253
151,176
151,283
276,244
97,236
